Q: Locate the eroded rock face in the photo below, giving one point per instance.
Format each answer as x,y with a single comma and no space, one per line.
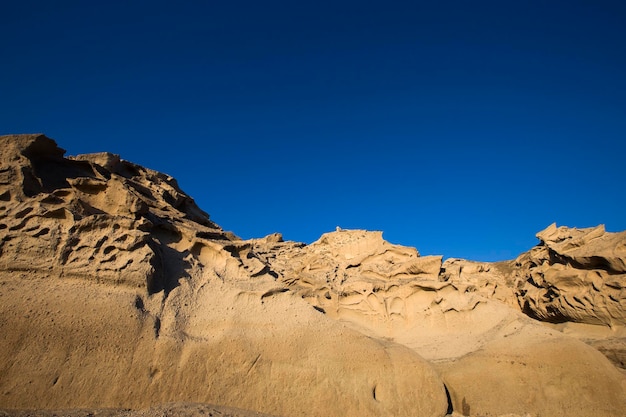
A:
575,275
116,290
572,275
573,280
354,271
461,315
93,216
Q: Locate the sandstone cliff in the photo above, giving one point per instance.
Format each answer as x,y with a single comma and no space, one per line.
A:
117,291
576,275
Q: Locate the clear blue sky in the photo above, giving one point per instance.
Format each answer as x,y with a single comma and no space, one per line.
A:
459,127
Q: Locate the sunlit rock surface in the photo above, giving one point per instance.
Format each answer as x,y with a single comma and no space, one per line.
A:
118,293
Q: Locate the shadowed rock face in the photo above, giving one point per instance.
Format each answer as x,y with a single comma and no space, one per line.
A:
94,216
118,291
575,275
572,275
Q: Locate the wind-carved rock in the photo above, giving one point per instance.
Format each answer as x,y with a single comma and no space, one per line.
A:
59,215
574,279
576,275
462,315
357,274
117,290
572,275
102,217
489,280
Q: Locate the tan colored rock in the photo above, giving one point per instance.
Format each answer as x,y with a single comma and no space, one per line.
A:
353,272
119,292
587,248
489,280
520,373
74,217
521,367
84,345
575,275
463,316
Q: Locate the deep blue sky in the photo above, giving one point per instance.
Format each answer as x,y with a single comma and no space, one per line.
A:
459,127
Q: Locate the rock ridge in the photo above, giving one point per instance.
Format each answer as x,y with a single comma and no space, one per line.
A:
118,291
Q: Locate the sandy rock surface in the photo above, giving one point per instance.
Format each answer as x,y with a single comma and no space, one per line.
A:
169,410
464,317
576,275
119,294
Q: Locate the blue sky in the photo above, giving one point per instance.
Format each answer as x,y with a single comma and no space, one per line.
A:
461,128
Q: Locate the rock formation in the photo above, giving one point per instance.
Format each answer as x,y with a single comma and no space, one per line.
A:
464,317
117,291
576,275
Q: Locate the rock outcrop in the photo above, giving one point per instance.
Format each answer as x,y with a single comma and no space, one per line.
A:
463,316
573,280
117,291
94,216
576,275
354,273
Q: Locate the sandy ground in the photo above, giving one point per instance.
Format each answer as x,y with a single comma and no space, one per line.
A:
165,410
